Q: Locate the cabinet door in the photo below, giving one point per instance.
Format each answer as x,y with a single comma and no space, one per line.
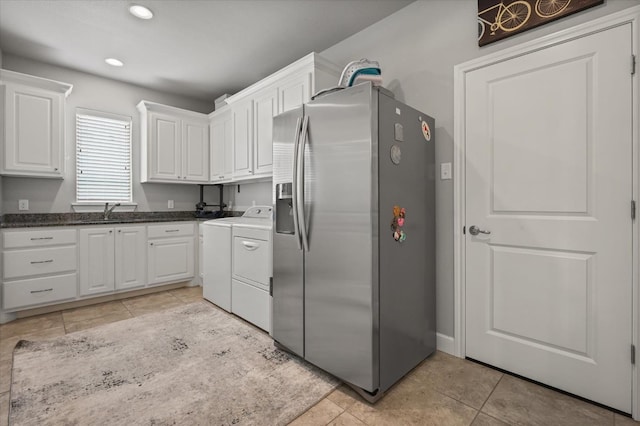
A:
294,92
96,261
265,107
34,132
164,147
130,257
242,139
221,147
195,151
170,259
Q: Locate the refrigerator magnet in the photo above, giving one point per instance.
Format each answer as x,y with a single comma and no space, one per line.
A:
426,131
396,154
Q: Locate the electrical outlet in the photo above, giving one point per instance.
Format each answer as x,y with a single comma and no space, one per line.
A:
170,204
23,204
445,171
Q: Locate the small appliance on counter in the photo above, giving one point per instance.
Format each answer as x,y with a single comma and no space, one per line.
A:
201,207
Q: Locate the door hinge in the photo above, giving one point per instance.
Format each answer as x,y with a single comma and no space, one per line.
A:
270,286
633,354
633,209
633,64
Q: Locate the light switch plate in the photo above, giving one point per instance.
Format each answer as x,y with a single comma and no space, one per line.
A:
445,171
23,204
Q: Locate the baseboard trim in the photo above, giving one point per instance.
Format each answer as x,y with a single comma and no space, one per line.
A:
445,343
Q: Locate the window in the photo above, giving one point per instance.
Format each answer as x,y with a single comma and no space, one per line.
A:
103,157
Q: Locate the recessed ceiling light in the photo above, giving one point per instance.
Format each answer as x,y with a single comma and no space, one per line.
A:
114,62
140,12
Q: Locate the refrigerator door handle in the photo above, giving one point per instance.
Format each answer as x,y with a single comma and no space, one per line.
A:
296,147
301,216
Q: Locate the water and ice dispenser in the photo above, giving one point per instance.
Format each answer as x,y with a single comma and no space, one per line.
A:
284,208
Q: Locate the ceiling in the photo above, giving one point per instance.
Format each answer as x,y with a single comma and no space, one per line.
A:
198,48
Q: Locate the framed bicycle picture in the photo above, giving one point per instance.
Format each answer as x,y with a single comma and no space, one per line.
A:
498,19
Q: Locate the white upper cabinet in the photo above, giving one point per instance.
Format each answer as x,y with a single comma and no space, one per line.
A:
265,107
195,151
243,139
253,110
296,90
221,148
164,147
175,144
34,125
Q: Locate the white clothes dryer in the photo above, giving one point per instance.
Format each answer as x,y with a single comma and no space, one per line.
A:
237,270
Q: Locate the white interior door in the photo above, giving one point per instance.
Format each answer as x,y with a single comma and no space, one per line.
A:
549,174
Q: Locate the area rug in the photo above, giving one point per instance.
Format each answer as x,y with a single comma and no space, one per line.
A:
192,365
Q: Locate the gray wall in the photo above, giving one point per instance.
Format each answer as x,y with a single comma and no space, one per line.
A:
417,48
89,91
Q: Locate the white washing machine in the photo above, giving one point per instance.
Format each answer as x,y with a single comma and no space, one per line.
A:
238,265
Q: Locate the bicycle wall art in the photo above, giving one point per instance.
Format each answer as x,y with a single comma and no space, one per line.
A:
498,19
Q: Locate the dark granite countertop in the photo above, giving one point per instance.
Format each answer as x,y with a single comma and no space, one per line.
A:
77,219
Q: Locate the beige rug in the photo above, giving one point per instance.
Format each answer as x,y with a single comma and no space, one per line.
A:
192,365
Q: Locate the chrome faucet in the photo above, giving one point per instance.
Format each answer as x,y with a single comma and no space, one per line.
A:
108,210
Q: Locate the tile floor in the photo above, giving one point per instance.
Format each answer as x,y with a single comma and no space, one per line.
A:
443,390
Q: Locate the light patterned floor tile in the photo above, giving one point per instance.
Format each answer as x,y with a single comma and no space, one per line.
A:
5,375
188,294
7,345
624,421
71,327
466,381
344,397
346,419
485,420
517,401
4,409
94,311
319,415
149,303
30,325
409,403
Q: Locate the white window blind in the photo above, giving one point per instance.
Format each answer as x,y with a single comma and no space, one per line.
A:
103,157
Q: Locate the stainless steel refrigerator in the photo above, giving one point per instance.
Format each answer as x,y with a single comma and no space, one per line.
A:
354,236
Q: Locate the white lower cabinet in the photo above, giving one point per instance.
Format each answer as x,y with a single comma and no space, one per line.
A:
45,266
39,291
171,253
112,259
38,267
130,257
96,261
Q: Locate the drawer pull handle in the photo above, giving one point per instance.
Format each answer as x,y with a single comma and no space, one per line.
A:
41,238
41,291
42,261
172,230
249,245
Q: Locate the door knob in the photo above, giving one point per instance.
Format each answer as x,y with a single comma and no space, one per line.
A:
474,230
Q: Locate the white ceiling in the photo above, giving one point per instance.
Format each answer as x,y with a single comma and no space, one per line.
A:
198,48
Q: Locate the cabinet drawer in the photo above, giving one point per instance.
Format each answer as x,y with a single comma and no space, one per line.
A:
38,237
174,229
252,260
252,304
23,263
38,291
